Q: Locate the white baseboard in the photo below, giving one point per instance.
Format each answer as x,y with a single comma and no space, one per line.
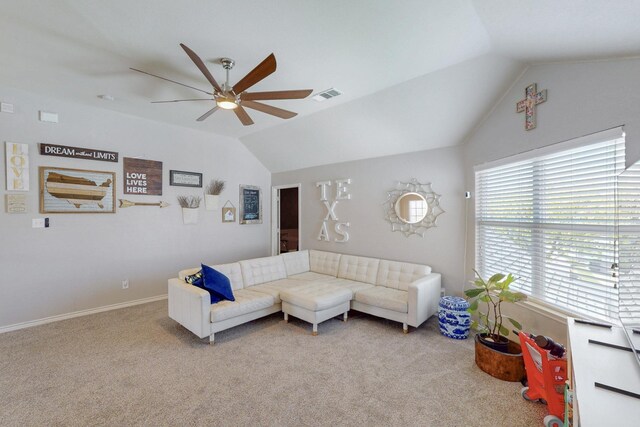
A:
80,313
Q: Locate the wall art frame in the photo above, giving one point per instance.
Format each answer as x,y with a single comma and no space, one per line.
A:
141,176
185,179
64,190
78,152
228,212
250,204
17,166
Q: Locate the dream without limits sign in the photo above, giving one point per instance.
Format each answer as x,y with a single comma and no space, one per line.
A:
78,153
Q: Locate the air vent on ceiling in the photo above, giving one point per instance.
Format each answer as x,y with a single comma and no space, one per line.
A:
327,94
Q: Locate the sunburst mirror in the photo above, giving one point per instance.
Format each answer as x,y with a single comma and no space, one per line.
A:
412,207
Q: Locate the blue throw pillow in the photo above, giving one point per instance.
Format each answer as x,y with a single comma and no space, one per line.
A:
217,284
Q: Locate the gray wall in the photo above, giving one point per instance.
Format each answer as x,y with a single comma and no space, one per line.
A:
583,98
80,261
370,235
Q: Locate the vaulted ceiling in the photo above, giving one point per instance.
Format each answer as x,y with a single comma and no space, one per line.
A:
415,74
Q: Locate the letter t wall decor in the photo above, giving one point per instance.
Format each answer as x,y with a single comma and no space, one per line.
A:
341,193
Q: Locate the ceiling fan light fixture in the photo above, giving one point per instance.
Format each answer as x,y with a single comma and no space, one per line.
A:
227,103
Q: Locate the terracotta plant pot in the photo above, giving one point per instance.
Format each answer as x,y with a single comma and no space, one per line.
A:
507,366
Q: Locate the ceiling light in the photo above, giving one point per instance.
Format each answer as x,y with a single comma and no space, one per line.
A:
107,97
226,103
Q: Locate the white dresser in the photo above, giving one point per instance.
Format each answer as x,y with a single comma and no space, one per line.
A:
591,363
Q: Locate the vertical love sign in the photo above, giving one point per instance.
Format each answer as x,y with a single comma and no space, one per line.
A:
17,156
341,193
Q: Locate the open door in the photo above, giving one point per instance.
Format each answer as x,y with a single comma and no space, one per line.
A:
286,219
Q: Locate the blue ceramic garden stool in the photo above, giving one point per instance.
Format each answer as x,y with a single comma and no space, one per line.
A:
454,318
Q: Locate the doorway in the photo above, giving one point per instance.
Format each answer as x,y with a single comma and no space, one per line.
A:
286,219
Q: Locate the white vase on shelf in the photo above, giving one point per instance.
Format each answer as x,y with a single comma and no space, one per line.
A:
211,201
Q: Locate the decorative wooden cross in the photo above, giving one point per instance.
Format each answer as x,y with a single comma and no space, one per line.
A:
528,104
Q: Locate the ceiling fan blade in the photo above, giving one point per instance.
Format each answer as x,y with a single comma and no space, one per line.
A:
203,68
207,114
183,100
261,71
243,116
274,111
278,94
172,81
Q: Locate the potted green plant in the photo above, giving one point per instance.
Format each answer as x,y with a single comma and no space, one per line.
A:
495,354
190,205
212,194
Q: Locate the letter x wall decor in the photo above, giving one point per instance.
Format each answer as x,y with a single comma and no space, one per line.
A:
528,104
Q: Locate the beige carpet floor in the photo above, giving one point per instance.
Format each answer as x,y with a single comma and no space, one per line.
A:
135,366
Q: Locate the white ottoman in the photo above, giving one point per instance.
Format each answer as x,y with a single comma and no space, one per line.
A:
315,302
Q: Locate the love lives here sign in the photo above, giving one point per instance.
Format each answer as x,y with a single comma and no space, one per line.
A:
142,177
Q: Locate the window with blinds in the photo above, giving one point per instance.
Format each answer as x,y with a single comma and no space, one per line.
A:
549,218
629,245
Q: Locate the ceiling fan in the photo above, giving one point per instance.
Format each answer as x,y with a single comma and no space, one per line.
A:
235,97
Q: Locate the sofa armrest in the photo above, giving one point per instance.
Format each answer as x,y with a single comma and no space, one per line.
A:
190,306
423,298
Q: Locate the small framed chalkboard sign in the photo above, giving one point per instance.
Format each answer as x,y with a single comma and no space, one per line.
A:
250,204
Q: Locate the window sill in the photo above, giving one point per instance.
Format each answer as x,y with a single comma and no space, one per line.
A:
546,310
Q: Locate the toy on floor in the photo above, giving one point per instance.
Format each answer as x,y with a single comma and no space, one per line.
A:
546,374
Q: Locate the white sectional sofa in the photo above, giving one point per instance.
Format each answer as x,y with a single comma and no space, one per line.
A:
309,281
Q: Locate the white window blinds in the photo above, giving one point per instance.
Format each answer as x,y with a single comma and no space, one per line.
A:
550,220
629,245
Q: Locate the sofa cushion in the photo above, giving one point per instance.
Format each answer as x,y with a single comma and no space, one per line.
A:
352,285
217,284
316,296
262,270
398,275
383,297
311,276
246,302
324,262
274,288
296,262
233,272
358,268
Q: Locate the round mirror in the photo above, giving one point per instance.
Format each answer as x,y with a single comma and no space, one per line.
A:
411,208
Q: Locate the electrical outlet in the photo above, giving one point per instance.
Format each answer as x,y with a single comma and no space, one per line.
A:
125,284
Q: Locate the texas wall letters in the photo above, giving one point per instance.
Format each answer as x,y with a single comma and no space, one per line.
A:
341,193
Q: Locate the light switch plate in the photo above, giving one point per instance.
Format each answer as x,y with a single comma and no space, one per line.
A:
5,107
37,223
48,117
